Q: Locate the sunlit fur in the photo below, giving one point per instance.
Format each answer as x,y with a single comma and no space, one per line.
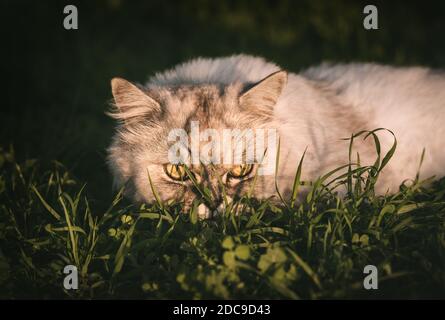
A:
314,109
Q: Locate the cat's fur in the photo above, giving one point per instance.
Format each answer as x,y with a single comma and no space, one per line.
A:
314,109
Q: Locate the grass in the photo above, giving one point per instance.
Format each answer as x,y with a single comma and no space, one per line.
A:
311,249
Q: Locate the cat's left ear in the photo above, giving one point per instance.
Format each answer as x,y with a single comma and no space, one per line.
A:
131,102
262,97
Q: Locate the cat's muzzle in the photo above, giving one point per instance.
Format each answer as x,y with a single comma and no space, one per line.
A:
204,212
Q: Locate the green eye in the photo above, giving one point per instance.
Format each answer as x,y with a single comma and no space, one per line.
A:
240,171
176,171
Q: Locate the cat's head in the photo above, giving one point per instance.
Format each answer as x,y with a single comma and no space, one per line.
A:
156,148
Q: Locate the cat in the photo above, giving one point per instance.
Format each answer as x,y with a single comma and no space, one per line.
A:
313,112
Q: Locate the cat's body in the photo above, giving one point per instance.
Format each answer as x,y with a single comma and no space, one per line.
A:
314,109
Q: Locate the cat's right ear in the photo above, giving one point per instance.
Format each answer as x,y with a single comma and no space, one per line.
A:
131,102
261,98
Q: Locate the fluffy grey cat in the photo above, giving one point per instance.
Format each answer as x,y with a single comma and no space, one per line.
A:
310,111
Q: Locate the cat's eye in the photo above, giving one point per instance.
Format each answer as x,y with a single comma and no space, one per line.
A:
241,171
176,171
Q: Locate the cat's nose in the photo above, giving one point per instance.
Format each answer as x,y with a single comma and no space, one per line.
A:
215,193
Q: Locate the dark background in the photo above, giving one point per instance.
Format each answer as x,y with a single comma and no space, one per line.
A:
56,82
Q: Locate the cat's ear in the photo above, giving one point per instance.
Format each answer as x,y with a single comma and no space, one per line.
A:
130,101
262,96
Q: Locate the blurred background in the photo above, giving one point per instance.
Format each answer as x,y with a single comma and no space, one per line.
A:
56,82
